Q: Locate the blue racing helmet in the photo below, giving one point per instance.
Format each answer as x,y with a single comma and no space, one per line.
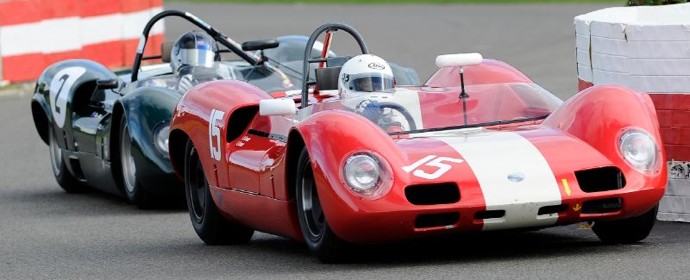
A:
193,48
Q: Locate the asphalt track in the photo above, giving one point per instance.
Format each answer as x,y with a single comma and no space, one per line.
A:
48,234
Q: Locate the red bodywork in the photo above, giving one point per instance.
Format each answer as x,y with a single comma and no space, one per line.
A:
253,180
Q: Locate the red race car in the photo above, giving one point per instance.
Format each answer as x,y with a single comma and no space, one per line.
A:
478,147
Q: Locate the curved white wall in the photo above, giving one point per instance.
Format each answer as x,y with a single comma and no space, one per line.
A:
646,47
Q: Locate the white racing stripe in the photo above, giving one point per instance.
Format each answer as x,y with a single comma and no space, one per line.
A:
496,156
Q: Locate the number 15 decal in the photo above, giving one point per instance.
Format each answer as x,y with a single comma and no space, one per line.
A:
431,161
214,125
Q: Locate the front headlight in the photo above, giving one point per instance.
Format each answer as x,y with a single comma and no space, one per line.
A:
640,150
160,138
366,175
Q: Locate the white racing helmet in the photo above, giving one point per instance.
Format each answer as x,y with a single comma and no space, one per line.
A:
363,74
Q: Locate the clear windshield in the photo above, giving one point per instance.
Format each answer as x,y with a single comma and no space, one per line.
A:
428,108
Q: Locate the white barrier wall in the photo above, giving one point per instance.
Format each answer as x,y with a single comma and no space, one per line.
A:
37,33
646,48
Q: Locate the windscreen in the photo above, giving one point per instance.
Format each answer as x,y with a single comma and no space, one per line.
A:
427,108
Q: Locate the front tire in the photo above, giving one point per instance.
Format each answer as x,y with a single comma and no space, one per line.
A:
134,190
319,237
208,223
57,162
628,230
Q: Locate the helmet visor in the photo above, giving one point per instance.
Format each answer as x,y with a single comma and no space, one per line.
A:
196,57
371,82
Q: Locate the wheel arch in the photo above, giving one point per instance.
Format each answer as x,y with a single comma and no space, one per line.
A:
295,146
146,110
176,144
40,116
116,167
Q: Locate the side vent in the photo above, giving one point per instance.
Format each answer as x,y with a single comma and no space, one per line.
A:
240,120
433,194
600,179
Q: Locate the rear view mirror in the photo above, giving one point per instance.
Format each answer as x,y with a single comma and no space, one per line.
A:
459,59
277,107
107,83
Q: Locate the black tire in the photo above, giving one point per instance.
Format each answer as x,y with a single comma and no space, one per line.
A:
628,230
319,237
208,223
64,178
131,184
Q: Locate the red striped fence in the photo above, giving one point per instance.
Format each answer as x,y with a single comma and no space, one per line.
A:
37,33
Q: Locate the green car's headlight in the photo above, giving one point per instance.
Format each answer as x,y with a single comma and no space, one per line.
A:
160,138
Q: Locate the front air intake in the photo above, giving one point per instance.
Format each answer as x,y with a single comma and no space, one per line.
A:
600,179
552,209
432,194
600,206
436,220
489,214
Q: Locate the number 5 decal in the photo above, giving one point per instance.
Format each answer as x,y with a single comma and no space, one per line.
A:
432,161
60,87
214,125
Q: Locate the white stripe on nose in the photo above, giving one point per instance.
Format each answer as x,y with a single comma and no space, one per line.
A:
513,176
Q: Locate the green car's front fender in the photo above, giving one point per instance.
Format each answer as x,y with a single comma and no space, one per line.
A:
147,111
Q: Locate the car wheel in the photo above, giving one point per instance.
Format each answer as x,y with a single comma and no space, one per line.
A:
317,234
628,230
208,223
64,178
136,193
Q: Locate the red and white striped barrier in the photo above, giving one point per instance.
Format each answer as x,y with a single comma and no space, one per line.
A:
37,33
646,48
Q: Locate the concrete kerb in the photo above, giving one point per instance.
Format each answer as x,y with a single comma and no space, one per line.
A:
16,88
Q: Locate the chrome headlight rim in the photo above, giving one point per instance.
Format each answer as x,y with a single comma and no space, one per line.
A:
645,159
161,136
384,175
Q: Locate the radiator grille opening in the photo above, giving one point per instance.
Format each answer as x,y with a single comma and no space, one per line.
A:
599,206
551,209
600,179
433,194
436,220
489,214
76,168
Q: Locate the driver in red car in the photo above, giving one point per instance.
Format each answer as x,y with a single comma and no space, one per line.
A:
362,76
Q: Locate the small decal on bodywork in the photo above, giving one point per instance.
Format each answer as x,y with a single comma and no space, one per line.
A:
577,207
566,187
516,177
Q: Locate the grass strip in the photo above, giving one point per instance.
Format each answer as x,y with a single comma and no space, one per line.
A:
618,2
